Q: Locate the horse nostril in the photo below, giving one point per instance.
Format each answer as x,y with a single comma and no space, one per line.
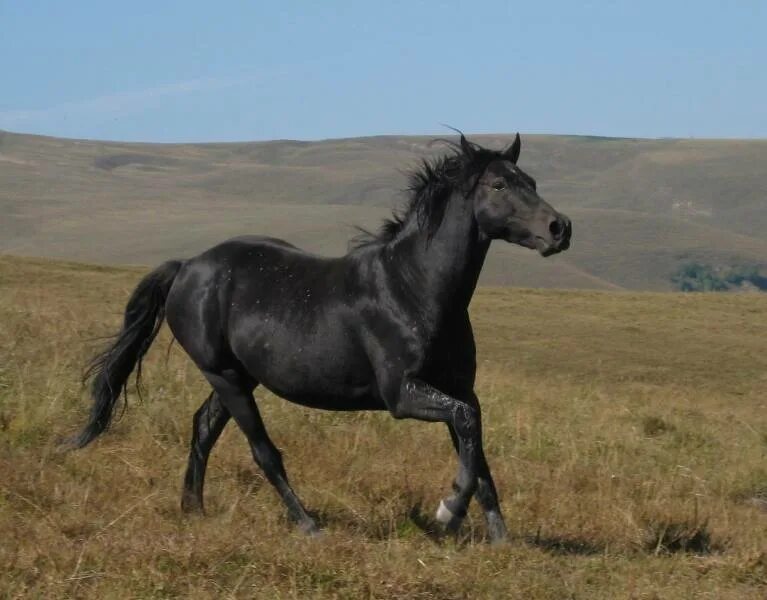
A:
556,227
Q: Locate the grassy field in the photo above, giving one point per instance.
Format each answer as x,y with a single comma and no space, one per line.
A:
640,207
627,432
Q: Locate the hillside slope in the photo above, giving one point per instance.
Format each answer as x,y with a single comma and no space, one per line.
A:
640,207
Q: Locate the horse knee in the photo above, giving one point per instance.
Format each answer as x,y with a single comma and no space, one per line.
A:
466,420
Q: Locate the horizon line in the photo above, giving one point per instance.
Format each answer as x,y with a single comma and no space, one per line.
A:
385,135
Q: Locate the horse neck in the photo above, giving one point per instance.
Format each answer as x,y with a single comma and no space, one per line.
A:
441,272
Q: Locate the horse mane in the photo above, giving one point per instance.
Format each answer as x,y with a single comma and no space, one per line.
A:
430,185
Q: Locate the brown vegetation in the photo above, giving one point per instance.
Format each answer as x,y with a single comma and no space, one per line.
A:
627,432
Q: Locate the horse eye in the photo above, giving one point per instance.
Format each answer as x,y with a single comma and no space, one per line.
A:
499,185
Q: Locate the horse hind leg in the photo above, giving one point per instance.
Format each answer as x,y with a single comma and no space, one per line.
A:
237,399
207,424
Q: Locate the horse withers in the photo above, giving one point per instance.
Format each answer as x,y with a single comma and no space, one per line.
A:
385,327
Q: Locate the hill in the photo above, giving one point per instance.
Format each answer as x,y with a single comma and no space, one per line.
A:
640,208
627,442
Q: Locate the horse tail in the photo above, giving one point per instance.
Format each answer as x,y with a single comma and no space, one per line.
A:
110,369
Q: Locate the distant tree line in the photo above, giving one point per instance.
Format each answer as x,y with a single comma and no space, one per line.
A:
698,277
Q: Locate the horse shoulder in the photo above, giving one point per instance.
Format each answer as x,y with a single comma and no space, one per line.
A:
451,362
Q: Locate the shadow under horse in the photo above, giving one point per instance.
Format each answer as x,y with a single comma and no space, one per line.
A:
385,327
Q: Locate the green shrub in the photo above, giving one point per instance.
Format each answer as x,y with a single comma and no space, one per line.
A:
697,277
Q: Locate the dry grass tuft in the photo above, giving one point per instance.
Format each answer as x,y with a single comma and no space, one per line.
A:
653,426
668,535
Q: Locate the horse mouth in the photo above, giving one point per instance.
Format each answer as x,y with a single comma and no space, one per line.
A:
546,248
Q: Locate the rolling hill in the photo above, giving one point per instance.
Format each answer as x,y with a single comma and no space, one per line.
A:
640,208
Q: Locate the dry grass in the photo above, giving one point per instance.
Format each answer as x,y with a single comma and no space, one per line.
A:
628,436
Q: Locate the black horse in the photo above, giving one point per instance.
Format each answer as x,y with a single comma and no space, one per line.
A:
385,327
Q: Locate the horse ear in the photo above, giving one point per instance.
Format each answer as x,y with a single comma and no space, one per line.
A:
512,152
466,146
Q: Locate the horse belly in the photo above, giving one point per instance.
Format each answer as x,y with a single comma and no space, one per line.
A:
321,369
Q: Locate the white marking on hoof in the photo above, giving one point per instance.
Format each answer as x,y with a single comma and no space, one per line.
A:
444,515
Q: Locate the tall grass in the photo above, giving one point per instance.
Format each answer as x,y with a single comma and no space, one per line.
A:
627,434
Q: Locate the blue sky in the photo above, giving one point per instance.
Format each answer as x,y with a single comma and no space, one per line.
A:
170,71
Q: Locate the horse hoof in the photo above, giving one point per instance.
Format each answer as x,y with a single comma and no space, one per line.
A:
64,445
447,517
191,505
444,515
499,539
310,528
496,530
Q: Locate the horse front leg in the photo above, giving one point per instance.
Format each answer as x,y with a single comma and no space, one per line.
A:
486,493
417,399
